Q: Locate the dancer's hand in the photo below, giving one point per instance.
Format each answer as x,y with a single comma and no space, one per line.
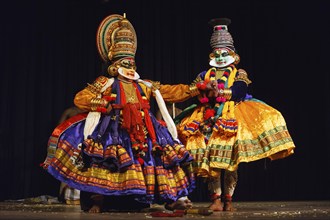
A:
212,86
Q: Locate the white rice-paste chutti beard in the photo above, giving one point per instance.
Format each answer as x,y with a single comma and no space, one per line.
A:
135,77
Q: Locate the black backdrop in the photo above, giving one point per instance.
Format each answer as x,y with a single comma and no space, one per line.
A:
48,53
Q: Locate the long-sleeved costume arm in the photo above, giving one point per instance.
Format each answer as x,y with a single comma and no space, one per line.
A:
91,97
175,93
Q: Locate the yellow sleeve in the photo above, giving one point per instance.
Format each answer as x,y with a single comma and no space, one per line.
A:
84,97
171,93
175,93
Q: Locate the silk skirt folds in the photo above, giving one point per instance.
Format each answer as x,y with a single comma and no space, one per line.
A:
113,169
261,133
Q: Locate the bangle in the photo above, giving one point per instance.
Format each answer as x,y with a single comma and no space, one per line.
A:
193,90
221,92
98,102
195,86
227,93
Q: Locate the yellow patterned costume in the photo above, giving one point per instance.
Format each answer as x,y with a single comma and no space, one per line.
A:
229,126
261,133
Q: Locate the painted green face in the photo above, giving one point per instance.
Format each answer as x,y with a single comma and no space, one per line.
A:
128,64
128,73
222,57
127,69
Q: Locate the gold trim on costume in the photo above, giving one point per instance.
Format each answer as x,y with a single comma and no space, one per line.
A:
97,85
243,76
227,93
193,90
97,102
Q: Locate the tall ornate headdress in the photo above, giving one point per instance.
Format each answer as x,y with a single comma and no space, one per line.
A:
116,41
220,36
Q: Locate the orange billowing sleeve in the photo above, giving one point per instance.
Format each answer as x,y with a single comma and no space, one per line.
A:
176,93
83,99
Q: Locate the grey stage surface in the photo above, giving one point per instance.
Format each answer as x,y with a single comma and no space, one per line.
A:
245,210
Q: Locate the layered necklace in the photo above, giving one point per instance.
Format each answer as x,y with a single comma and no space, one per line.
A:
130,91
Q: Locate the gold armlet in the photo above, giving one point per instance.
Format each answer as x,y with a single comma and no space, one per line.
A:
243,76
193,89
97,85
227,93
98,102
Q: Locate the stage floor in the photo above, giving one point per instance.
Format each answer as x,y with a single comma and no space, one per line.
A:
251,210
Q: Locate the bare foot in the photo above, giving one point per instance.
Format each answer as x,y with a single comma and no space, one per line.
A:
179,205
188,204
95,209
97,203
216,206
228,207
227,204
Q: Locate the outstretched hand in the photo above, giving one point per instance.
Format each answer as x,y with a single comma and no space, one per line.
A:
212,86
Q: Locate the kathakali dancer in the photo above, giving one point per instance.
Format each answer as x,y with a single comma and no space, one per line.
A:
119,149
228,126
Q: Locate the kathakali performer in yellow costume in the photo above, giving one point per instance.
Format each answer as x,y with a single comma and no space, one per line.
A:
228,126
119,148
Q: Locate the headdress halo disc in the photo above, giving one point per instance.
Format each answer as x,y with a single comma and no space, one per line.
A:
105,31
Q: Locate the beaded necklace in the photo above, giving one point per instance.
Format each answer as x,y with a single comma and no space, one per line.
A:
210,75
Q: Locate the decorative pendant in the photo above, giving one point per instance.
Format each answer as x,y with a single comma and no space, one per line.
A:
131,99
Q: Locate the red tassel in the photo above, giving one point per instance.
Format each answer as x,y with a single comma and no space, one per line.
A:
107,98
141,161
209,113
101,109
201,86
